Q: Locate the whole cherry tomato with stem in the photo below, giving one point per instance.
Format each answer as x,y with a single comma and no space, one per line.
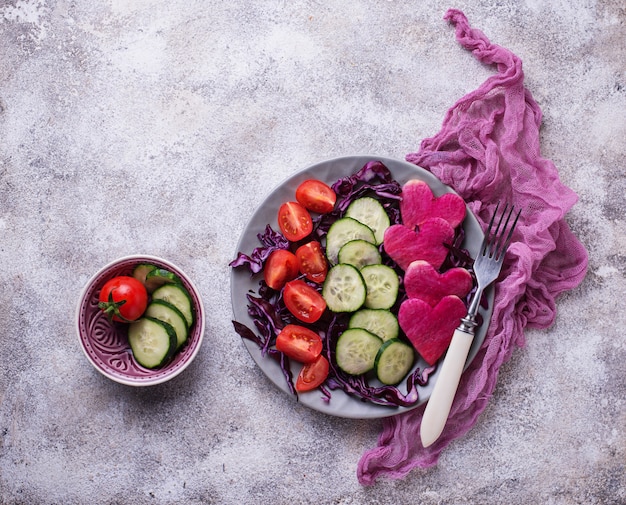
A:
123,299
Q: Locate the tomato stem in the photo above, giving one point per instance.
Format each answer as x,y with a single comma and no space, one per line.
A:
112,308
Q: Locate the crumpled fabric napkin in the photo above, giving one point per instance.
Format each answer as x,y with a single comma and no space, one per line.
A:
488,151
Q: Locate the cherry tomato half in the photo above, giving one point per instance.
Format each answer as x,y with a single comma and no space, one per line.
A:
312,375
299,343
316,196
303,301
294,221
312,261
123,299
280,267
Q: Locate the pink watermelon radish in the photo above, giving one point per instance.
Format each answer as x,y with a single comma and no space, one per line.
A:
422,281
430,329
419,204
405,245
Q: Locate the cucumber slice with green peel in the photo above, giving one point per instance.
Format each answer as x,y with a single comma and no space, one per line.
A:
178,296
142,270
158,277
372,214
359,253
344,289
153,342
380,322
393,361
165,311
356,351
382,284
343,231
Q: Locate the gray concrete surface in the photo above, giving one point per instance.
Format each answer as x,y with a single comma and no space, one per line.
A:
158,126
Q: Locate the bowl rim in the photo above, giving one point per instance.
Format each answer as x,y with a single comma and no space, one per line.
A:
199,320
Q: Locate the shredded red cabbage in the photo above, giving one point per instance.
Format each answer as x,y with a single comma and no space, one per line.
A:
271,241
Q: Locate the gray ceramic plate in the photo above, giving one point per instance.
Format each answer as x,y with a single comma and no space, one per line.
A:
329,171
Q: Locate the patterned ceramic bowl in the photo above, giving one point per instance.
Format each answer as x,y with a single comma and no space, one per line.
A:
106,345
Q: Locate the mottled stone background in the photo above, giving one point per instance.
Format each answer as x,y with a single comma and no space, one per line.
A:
158,126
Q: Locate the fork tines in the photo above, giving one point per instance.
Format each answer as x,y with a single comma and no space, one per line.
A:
496,244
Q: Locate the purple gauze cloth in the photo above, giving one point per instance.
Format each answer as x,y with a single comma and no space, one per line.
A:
488,151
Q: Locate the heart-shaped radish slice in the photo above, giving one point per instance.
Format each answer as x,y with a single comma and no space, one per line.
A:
419,204
405,245
422,281
430,329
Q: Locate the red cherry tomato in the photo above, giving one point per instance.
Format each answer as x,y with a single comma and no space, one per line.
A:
312,261
280,267
312,375
294,221
299,343
123,299
316,196
303,301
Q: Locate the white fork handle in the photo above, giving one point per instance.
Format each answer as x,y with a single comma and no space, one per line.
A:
440,401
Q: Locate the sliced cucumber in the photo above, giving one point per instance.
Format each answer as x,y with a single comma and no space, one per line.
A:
178,296
165,311
343,231
153,342
380,322
359,253
142,270
382,285
344,289
357,350
393,361
158,277
371,213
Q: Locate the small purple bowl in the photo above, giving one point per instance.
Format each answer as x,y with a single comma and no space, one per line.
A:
106,345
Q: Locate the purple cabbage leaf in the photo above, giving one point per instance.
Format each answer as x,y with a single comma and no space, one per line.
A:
271,240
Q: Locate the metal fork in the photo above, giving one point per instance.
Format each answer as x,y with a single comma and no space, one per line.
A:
487,267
